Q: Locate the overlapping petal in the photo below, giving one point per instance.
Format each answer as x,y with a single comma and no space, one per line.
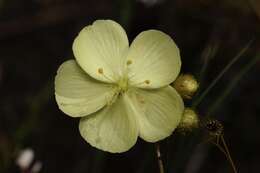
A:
112,129
109,80
153,60
158,112
77,94
100,50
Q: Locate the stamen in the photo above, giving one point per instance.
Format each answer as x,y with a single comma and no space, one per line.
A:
111,100
147,82
129,62
100,71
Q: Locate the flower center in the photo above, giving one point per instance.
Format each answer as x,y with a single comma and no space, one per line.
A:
123,85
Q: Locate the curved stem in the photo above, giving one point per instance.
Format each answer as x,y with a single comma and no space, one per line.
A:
159,158
213,83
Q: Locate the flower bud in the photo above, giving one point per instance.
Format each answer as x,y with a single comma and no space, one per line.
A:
214,127
186,85
189,120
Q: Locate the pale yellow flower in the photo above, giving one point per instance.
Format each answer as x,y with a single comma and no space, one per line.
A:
121,92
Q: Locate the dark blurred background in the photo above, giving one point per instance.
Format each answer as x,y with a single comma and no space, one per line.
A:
36,37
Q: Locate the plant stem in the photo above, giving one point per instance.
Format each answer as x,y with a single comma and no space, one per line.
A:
220,148
233,84
159,158
207,55
213,83
228,154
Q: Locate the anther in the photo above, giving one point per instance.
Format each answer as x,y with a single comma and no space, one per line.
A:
100,71
147,82
129,62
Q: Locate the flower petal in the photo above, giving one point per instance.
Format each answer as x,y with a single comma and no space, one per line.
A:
111,129
158,112
100,50
77,94
153,60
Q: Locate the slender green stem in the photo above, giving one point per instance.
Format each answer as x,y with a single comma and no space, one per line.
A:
233,83
159,158
228,155
213,83
207,55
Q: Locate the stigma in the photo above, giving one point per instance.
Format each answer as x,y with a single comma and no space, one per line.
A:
122,85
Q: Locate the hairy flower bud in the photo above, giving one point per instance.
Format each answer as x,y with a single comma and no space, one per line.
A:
186,85
189,120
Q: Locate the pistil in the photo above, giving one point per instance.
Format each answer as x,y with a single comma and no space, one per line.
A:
123,85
